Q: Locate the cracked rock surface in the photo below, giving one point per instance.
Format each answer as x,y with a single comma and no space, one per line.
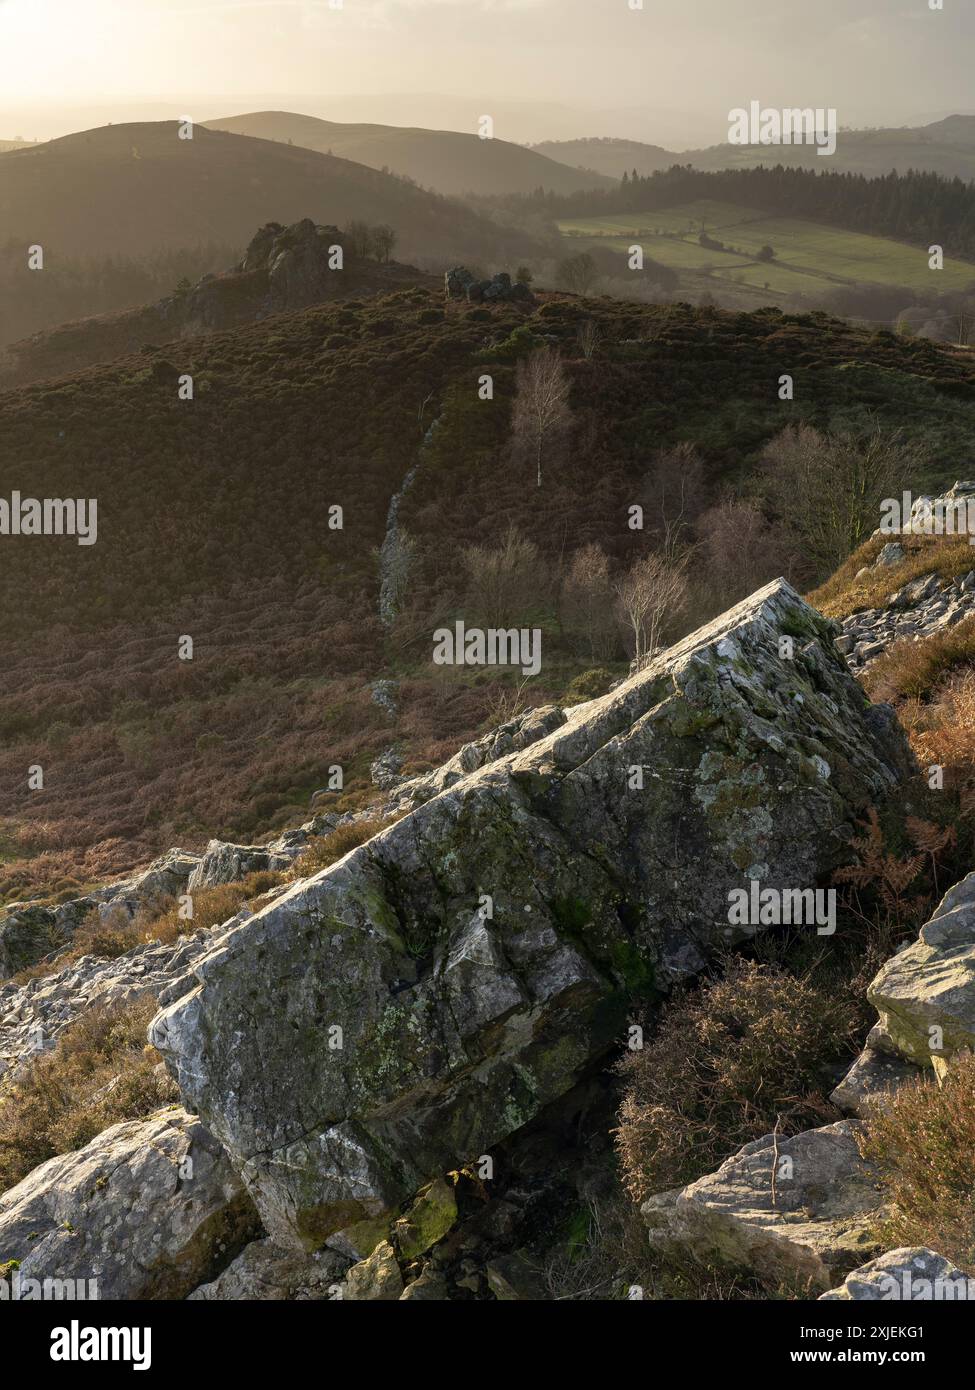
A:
428,994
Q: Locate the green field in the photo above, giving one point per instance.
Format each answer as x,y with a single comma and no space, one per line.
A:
809,258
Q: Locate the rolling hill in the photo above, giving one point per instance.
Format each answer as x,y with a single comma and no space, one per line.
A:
214,521
448,161
945,147
137,189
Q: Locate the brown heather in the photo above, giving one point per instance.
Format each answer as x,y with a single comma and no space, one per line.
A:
101,1072
727,1063
923,1142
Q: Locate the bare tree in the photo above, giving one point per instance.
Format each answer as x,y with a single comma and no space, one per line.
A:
588,601
383,241
578,273
653,592
827,489
541,409
673,491
588,336
504,581
741,552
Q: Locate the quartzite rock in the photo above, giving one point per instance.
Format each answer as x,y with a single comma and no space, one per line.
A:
925,995
146,1210
795,1211
425,996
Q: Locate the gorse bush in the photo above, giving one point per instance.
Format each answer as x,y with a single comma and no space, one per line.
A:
923,1144
748,1051
101,1072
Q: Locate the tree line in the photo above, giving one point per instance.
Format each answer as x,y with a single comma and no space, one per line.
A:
917,207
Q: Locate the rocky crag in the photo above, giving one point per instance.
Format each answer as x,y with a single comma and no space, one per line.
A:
924,605
426,996
411,1011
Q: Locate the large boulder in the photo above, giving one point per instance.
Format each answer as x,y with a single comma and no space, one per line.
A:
424,997
794,1211
148,1209
925,995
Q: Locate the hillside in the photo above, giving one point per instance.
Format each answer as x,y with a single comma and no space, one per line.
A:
944,147
135,189
283,268
448,161
214,522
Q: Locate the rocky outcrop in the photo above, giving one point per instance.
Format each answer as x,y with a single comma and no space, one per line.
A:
911,1275
33,1015
284,268
925,998
424,997
925,994
29,932
224,862
917,610
795,1212
461,283
146,1210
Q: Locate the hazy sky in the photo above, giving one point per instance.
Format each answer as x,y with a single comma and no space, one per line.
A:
558,67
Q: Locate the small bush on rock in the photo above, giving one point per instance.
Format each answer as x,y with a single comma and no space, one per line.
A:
325,850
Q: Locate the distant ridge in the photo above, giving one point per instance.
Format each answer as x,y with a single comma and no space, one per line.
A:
136,188
449,161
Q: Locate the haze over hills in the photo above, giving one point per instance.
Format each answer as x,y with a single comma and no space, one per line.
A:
448,161
136,189
945,147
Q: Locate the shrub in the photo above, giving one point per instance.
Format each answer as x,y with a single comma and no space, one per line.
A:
329,849
101,1072
923,1143
912,669
748,1050
588,685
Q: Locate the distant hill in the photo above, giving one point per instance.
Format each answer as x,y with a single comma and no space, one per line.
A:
610,157
446,160
945,147
135,189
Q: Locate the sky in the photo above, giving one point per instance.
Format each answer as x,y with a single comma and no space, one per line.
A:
668,72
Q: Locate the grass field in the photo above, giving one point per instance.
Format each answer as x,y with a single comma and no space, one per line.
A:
809,257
